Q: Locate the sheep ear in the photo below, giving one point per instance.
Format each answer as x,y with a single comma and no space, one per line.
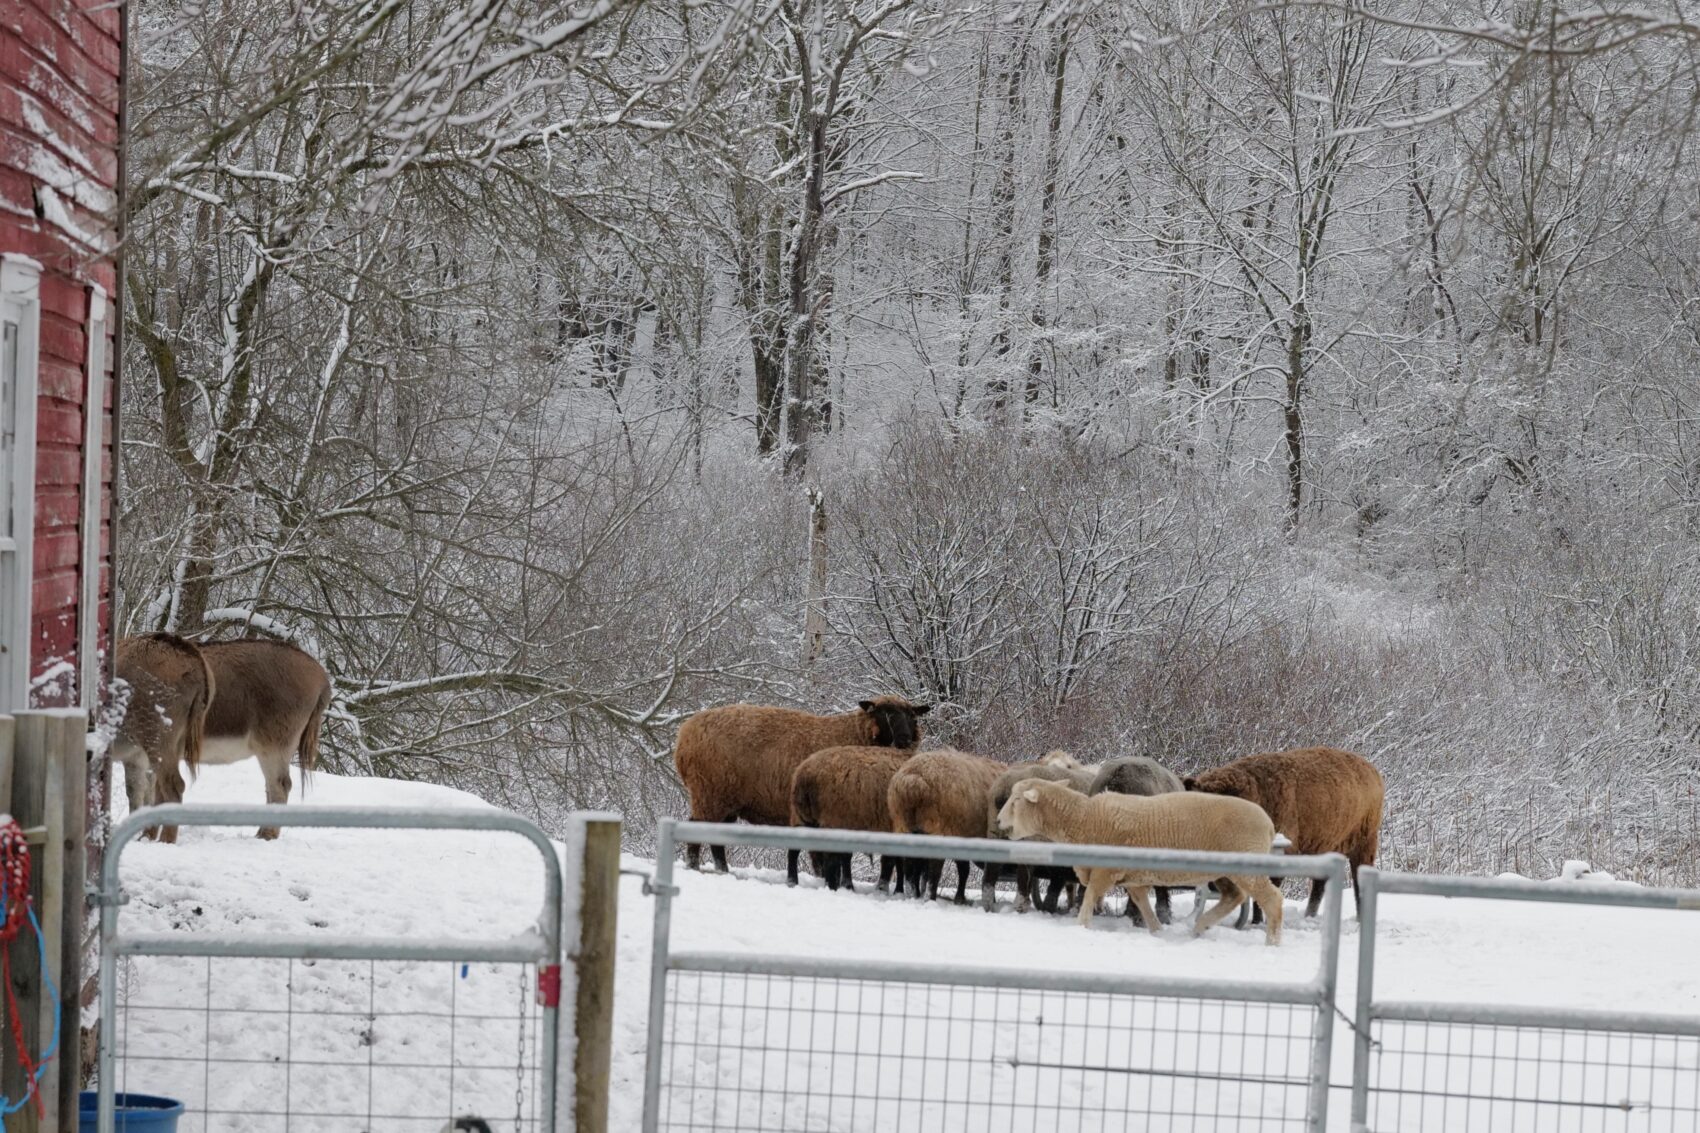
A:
866,706
923,709
1031,794
1189,783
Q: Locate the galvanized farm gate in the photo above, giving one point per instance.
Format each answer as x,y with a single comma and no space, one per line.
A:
1475,1067
746,1040
332,998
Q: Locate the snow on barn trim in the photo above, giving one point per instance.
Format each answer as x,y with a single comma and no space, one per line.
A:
61,161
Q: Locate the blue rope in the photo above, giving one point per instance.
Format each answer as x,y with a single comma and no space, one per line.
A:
7,1105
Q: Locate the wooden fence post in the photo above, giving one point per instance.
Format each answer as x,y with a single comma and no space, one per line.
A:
47,764
73,836
593,964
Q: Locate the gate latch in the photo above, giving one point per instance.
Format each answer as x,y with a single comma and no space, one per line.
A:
650,889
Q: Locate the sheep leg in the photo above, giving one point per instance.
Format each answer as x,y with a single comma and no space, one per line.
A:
915,876
1233,896
1316,887
1139,896
935,874
1023,888
1133,912
1053,890
961,897
1257,909
693,856
846,872
1268,898
1097,884
1164,913
791,857
720,859
990,874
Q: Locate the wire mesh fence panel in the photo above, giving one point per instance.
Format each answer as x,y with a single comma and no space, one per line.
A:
272,1045
823,1040
1512,1068
1473,1077
268,1032
782,1052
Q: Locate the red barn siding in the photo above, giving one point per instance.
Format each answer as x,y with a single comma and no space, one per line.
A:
60,70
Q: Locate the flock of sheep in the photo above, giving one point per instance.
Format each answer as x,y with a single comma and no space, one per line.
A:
860,770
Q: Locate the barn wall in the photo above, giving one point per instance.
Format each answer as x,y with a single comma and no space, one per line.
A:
59,168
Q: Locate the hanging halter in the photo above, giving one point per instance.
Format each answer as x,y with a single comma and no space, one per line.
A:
15,911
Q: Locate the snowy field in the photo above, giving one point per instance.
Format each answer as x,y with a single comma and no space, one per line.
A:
764,1053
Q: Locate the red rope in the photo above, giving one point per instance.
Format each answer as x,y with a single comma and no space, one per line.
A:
15,892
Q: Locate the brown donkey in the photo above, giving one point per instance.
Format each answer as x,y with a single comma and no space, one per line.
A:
170,690
270,701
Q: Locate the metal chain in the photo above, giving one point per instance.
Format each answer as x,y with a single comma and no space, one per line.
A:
519,1064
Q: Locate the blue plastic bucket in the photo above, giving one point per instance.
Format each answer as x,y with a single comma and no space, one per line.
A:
137,1113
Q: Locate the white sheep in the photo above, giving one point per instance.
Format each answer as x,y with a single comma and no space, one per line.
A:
1184,821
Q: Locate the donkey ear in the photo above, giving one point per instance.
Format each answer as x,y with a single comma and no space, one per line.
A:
866,706
1031,794
923,709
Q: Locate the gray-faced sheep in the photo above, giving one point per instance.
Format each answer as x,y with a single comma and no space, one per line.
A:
942,793
1055,768
1138,775
844,788
737,761
1184,821
1323,799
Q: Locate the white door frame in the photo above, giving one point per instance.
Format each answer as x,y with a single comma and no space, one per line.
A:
89,561
20,307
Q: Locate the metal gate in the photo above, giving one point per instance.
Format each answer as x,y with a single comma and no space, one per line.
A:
337,1032
741,1041
1466,1067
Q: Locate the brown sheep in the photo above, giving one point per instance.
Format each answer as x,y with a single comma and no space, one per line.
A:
1323,799
844,788
1039,809
165,721
737,761
942,793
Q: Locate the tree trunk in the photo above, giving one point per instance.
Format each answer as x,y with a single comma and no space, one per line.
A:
814,617
806,307
1298,339
1058,67
1003,211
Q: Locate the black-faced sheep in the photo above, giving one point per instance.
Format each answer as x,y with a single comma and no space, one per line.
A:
844,788
1323,799
1054,767
1185,821
1138,775
942,793
737,761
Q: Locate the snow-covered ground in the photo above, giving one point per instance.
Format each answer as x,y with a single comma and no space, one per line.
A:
868,1056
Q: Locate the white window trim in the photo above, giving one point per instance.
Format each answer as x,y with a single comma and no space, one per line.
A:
94,434
20,299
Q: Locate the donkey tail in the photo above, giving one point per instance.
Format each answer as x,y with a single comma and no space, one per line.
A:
195,728
307,751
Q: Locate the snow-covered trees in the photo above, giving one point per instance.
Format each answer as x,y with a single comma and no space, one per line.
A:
482,348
